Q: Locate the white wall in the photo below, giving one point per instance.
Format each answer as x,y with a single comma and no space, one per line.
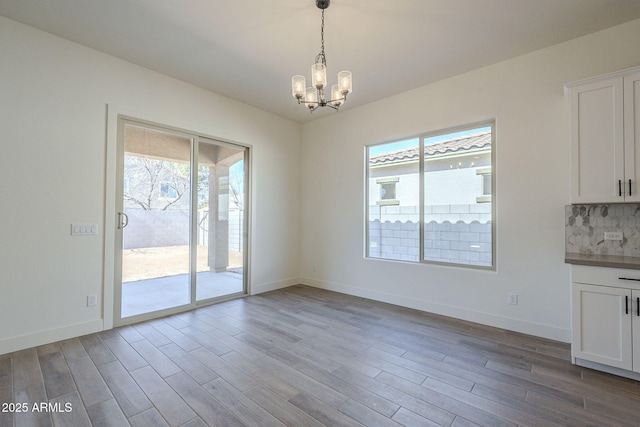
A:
525,96
55,162
55,159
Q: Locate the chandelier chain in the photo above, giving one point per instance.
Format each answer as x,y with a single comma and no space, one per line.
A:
324,59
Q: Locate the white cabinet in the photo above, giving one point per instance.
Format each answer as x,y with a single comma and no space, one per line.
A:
605,138
606,317
632,132
602,329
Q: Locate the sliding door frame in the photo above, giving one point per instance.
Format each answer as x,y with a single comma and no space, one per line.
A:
112,296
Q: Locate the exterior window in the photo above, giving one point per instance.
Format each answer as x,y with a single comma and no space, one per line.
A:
430,199
168,190
485,175
388,191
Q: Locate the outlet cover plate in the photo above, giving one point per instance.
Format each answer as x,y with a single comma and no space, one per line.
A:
92,300
613,235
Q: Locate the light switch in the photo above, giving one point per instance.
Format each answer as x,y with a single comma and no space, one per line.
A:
84,229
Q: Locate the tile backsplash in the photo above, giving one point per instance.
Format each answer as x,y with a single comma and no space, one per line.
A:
585,226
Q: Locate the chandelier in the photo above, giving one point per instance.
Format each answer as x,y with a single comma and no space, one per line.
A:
314,95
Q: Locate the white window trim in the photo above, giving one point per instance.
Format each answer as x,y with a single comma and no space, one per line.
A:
481,199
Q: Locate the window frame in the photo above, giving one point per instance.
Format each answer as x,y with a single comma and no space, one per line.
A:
482,199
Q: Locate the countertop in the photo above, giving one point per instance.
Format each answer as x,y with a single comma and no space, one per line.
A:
615,261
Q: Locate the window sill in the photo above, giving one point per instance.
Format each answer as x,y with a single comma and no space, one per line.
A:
390,202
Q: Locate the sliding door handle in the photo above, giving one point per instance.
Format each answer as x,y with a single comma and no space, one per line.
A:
123,220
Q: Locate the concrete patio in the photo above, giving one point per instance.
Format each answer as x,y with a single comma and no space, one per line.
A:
156,278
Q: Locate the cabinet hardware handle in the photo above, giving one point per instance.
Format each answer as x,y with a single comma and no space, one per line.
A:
638,306
620,187
628,278
626,304
629,187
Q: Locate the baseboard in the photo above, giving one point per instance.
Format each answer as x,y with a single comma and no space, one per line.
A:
508,323
266,287
607,369
9,345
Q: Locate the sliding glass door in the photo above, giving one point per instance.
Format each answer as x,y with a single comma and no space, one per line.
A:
180,220
221,217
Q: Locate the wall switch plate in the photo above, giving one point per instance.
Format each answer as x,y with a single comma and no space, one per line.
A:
512,299
84,229
613,235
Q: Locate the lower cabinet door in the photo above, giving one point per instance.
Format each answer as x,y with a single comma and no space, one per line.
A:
635,296
602,319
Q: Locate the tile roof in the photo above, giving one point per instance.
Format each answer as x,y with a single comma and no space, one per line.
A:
465,143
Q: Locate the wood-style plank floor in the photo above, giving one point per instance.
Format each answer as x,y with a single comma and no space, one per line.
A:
307,357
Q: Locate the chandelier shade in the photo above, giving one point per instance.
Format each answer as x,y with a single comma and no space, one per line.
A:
319,75
299,86
314,96
344,77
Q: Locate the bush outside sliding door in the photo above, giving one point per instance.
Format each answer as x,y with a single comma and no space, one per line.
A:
431,198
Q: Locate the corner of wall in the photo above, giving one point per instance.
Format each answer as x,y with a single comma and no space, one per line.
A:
272,286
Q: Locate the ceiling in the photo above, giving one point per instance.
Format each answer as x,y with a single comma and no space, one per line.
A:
249,49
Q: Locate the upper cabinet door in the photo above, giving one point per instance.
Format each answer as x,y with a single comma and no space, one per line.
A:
632,135
597,142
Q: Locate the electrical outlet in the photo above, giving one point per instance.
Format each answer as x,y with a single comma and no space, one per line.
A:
92,300
613,235
512,299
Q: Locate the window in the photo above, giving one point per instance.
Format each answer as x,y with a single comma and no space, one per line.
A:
168,190
430,199
485,175
388,191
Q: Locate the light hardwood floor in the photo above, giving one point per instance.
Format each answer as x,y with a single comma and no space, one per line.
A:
307,357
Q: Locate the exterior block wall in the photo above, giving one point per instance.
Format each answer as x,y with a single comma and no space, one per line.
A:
459,234
155,228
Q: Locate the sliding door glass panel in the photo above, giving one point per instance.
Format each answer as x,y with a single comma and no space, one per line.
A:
156,204
221,220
